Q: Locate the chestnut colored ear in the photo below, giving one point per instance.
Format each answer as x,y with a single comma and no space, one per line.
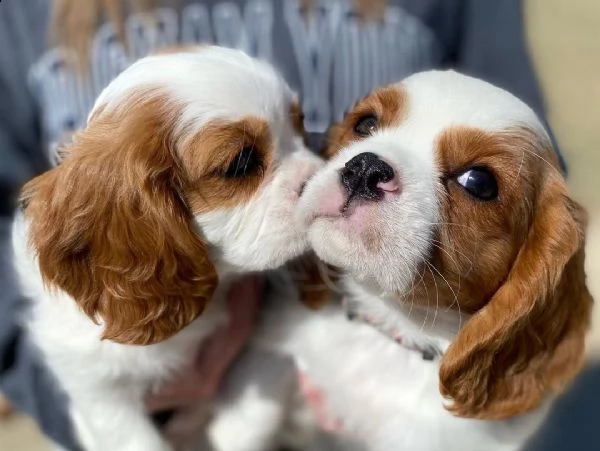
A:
529,340
314,280
111,229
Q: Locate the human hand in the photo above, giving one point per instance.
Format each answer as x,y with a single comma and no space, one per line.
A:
200,382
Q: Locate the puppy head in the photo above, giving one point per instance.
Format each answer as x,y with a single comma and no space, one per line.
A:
444,191
189,166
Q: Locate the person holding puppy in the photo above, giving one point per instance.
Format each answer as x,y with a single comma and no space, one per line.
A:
57,55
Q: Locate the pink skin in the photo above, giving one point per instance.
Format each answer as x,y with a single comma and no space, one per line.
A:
317,402
358,214
393,186
200,382
331,204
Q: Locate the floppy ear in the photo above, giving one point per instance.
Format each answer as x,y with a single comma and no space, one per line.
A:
529,339
111,229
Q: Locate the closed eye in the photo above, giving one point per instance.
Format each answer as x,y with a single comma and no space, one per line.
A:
246,162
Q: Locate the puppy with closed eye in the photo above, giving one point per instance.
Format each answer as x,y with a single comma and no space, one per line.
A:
186,175
465,307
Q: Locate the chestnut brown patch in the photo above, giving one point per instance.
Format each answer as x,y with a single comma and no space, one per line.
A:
517,264
387,104
208,154
111,228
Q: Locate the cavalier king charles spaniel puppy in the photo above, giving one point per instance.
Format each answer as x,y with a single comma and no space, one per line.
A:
186,175
464,309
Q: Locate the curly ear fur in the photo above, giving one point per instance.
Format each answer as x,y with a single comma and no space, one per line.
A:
529,339
111,229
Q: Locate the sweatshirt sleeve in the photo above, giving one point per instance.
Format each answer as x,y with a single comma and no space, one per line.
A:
21,155
492,45
24,379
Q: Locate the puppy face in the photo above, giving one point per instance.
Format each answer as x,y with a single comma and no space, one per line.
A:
444,191
190,166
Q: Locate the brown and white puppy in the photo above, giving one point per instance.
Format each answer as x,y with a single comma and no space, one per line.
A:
187,174
444,206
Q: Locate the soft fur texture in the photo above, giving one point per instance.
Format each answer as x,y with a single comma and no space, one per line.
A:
497,286
186,175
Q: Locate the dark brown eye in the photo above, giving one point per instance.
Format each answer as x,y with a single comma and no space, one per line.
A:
245,163
479,182
366,125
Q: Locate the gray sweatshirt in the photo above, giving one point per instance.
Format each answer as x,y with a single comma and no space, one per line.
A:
332,60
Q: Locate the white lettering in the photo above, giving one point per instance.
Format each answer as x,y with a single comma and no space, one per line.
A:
252,32
195,25
313,41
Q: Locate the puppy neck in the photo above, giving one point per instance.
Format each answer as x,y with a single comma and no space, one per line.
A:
417,325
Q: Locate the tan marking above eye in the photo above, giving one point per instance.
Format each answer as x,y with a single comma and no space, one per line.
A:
209,154
387,104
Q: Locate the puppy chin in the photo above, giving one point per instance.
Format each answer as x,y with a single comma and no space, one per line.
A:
339,244
347,238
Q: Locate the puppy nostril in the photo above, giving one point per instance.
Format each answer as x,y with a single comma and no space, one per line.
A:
372,181
391,186
364,174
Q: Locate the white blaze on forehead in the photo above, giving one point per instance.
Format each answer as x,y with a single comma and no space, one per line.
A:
210,82
438,100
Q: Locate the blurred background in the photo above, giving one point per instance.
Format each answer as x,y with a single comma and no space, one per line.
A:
563,38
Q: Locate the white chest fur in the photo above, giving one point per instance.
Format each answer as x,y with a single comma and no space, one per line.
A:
387,396
384,395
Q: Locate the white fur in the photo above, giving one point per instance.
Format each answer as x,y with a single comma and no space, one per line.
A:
385,394
106,381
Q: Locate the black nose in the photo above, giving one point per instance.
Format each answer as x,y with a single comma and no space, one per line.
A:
362,173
